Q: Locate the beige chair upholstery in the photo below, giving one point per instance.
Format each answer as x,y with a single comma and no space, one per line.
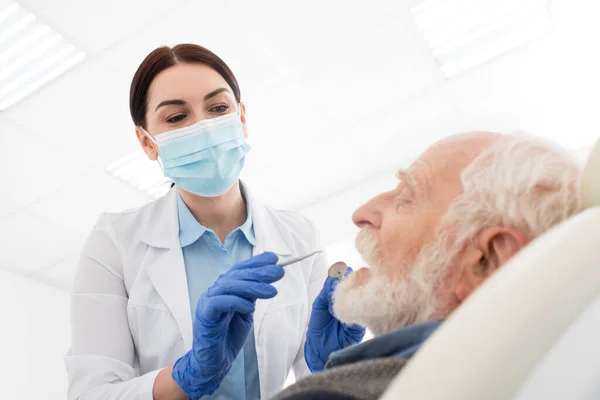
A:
571,369
590,181
490,346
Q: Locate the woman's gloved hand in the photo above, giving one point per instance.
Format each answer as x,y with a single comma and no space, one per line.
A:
224,316
326,333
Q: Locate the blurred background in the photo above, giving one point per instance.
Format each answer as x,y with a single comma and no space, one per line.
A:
339,94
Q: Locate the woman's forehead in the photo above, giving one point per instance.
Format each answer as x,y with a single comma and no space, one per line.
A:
185,81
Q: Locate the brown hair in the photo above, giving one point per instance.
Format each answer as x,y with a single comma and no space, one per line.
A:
163,58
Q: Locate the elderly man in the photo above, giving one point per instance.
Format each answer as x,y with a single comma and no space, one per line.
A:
462,210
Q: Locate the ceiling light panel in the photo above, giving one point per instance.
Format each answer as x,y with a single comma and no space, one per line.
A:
31,54
136,170
464,33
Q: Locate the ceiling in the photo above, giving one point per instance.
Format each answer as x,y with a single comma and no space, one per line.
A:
338,95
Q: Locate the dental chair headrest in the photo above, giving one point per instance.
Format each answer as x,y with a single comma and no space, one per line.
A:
590,179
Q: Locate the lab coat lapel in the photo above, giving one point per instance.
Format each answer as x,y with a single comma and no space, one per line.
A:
166,267
268,238
164,262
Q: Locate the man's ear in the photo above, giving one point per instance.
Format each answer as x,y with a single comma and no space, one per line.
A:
491,248
498,245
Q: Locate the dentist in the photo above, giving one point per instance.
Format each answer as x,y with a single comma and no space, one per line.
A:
181,298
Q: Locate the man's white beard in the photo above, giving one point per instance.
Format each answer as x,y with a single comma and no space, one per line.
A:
382,304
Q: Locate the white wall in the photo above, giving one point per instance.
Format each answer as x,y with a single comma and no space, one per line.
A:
34,336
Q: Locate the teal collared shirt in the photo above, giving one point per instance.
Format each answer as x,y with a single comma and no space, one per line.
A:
401,343
205,258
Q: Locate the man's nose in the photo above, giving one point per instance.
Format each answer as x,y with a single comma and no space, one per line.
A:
369,214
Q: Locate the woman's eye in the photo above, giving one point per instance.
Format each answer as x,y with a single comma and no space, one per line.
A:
220,109
177,118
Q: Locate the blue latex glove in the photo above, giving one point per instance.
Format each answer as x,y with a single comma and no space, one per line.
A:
326,333
224,317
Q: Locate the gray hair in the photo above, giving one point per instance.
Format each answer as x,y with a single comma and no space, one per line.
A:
519,182
516,182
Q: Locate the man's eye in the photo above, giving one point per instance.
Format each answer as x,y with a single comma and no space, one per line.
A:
404,197
404,200
176,119
403,204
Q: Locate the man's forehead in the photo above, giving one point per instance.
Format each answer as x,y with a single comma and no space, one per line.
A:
459,150
452,155
443,162
434,170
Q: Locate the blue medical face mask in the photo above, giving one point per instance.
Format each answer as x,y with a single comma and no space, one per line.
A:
205,158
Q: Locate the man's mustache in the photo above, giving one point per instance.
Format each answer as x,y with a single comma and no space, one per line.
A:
367,245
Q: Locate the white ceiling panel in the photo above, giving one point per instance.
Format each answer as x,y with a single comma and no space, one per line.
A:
307,172
281,117
60,274
96,25
550,88
463,34
569,12
409,3
396,138
29,243
86,112
31,54
217,26
31,167
387,63
298,33
6,209
78,206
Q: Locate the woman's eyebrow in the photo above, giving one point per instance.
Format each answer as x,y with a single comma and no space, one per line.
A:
215,92
170,102
179,102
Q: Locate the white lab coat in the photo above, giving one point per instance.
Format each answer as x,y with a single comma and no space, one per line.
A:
130,311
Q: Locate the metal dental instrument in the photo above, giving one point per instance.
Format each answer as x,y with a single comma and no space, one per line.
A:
283,261
337,270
